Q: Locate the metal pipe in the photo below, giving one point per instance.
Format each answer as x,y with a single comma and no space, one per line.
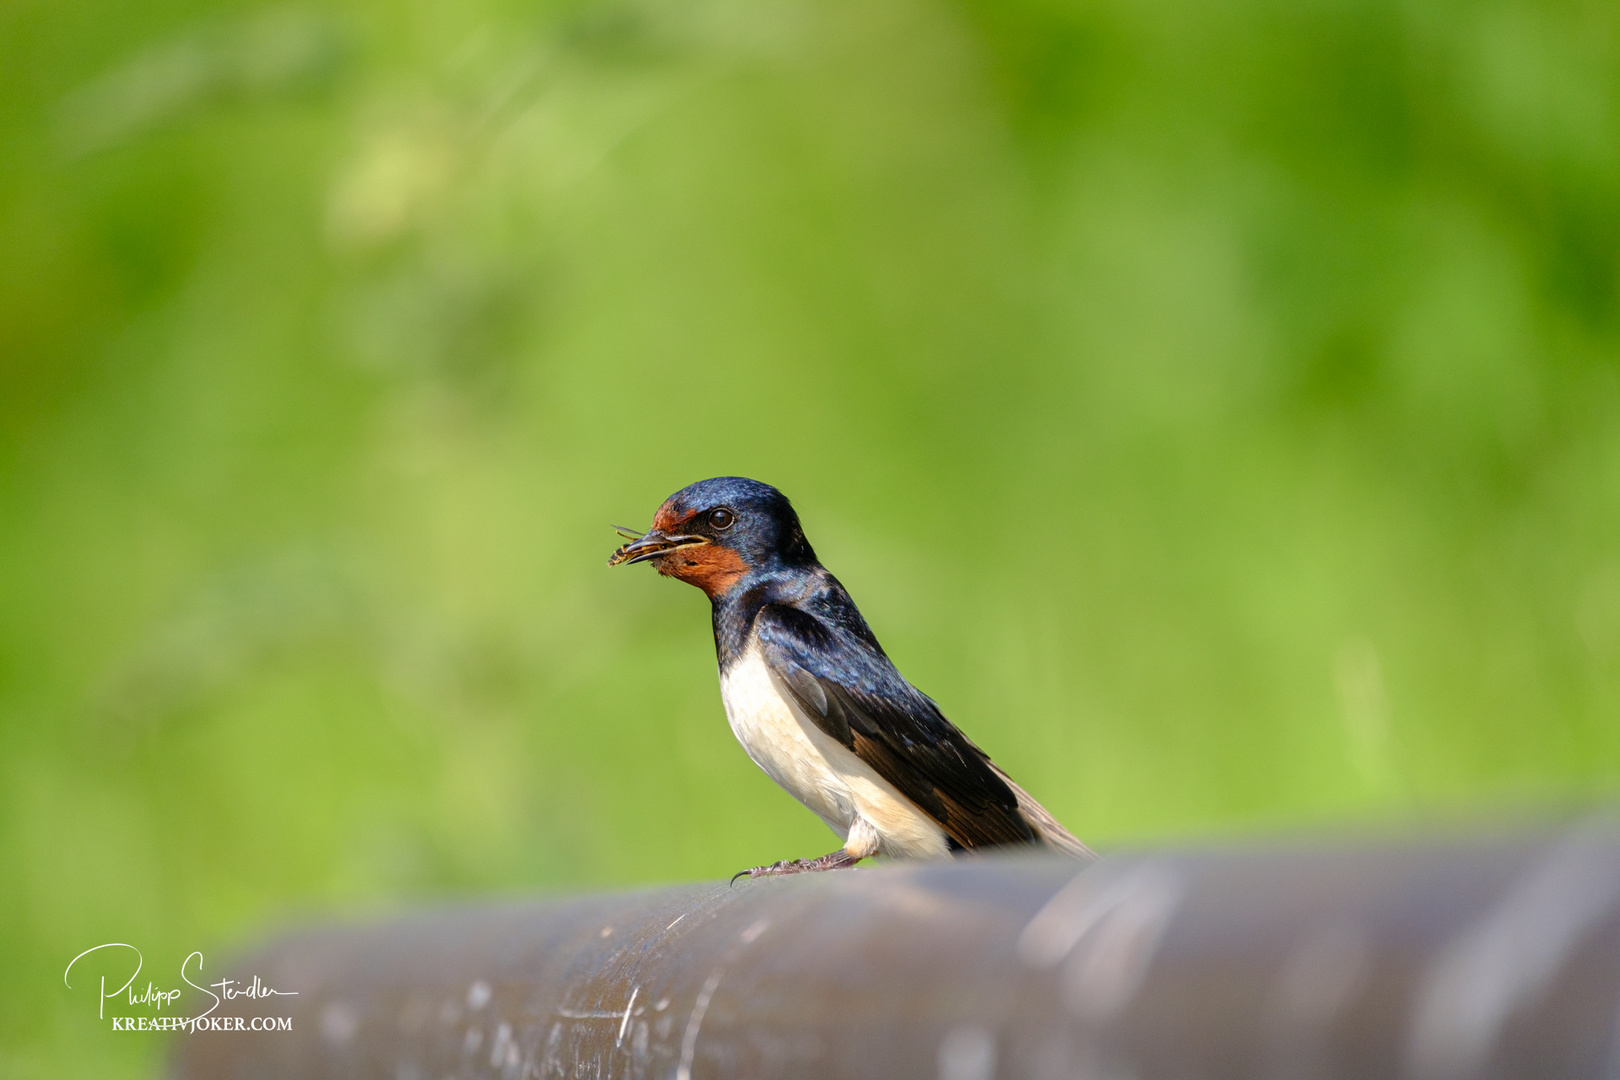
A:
1440,959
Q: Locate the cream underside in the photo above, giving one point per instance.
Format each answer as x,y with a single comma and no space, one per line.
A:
813,767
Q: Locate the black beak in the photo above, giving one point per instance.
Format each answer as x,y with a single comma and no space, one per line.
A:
652,545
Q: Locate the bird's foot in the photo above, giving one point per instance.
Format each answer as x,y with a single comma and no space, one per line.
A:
836,860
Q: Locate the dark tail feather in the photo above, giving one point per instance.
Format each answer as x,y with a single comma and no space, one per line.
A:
1052,833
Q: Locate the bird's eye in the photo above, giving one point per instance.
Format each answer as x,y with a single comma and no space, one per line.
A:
721,518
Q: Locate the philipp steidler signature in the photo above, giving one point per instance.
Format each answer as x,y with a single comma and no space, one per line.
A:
153,997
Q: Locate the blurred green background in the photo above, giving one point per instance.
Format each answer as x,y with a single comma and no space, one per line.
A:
1215,406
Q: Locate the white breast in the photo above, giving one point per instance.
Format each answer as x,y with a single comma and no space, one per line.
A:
841,789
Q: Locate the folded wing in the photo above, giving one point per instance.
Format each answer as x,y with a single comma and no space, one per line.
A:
856,696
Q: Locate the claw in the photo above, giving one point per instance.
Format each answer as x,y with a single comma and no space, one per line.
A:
837,860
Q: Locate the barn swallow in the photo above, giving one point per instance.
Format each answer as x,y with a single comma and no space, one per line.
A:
814,699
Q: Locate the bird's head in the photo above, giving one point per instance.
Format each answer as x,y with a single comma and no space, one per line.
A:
714,532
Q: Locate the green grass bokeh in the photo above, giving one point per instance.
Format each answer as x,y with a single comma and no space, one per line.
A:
1215,407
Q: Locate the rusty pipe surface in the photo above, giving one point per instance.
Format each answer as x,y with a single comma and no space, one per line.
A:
1439,959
